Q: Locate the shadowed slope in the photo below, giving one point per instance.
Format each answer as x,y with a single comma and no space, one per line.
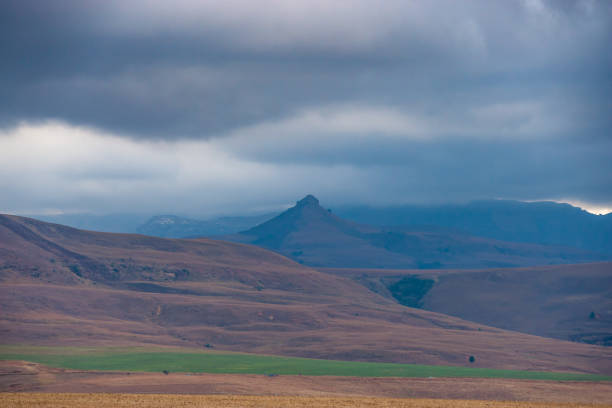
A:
547,223
314,236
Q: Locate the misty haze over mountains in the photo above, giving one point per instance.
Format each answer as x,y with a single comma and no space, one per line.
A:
172,226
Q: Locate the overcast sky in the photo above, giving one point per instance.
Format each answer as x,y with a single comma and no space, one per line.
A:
208,107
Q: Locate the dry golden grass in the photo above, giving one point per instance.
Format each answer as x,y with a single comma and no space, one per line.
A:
19,377
18,400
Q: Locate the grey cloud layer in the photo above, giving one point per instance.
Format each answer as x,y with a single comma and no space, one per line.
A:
197,69
443,100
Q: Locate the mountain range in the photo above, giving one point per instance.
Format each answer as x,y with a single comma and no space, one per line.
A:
544,222
312,235
172,226
165,226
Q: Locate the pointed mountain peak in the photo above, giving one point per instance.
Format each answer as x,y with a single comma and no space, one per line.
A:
308,201
306,215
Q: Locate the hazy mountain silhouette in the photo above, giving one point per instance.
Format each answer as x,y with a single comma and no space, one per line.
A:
165,226
118,222
172,226
314,236
546,223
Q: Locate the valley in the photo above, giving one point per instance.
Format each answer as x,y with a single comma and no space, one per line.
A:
568,302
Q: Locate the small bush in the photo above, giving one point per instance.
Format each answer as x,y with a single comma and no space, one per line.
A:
472,359
75,269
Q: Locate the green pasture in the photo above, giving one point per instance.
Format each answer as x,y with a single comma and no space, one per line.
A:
177,360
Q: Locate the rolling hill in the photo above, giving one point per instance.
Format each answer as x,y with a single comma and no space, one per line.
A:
113,222
569,302
62,286
312,235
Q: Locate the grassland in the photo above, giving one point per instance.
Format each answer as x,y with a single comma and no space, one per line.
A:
231,401
137,290
177,360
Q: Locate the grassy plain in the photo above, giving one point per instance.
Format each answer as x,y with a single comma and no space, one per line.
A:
18,400
177,360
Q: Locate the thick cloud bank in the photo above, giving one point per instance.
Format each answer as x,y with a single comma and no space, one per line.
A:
57,167
194,105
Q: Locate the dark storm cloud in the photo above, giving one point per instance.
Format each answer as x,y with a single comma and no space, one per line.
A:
443,100
150,71
439,167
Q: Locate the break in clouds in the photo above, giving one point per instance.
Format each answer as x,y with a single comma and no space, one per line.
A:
203,107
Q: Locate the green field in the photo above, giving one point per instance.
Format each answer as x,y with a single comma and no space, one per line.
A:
157,360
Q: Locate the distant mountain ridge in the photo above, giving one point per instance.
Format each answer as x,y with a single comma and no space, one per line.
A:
117,222
164,226
312,235
544,222
172,226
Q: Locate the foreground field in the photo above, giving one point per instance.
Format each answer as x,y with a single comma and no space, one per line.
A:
164,400
19,376
136,359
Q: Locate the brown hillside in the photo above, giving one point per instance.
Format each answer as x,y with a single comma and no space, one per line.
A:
569,302
63,286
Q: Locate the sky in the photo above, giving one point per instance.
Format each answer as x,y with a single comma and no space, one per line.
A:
209,107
